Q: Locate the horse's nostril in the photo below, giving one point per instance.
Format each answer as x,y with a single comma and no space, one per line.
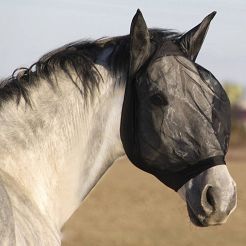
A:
208,200
210,197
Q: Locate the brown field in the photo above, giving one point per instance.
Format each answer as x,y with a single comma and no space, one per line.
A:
131,208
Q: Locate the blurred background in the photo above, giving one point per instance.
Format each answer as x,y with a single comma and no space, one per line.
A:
129,207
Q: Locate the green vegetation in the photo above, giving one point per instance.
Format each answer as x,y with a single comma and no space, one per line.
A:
236,93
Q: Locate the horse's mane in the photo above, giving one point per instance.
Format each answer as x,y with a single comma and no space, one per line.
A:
79,57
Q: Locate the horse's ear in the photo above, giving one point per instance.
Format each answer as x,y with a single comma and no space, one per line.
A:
139,53
191,41
139,43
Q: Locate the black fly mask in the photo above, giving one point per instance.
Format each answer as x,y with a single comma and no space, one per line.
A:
176,116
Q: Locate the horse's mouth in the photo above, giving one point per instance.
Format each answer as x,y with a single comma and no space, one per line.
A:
203,221
193,218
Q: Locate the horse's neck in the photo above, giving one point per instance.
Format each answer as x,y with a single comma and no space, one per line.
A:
59,149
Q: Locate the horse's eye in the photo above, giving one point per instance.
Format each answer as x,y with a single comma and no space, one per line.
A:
159,99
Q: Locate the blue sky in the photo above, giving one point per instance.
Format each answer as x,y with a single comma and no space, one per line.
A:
31,28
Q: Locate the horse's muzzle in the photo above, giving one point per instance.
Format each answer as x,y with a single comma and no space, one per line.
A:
211,197
214,211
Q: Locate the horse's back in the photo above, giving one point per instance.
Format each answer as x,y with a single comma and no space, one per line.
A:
21,221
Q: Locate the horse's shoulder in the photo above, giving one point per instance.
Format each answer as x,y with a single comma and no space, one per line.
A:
7,227
23,223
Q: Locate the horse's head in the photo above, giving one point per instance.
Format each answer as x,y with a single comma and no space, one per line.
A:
176,120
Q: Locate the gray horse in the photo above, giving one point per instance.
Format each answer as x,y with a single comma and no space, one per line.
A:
68,117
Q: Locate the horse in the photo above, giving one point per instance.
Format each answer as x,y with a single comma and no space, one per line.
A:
67,118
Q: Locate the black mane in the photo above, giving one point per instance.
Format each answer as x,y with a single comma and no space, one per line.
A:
79,57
